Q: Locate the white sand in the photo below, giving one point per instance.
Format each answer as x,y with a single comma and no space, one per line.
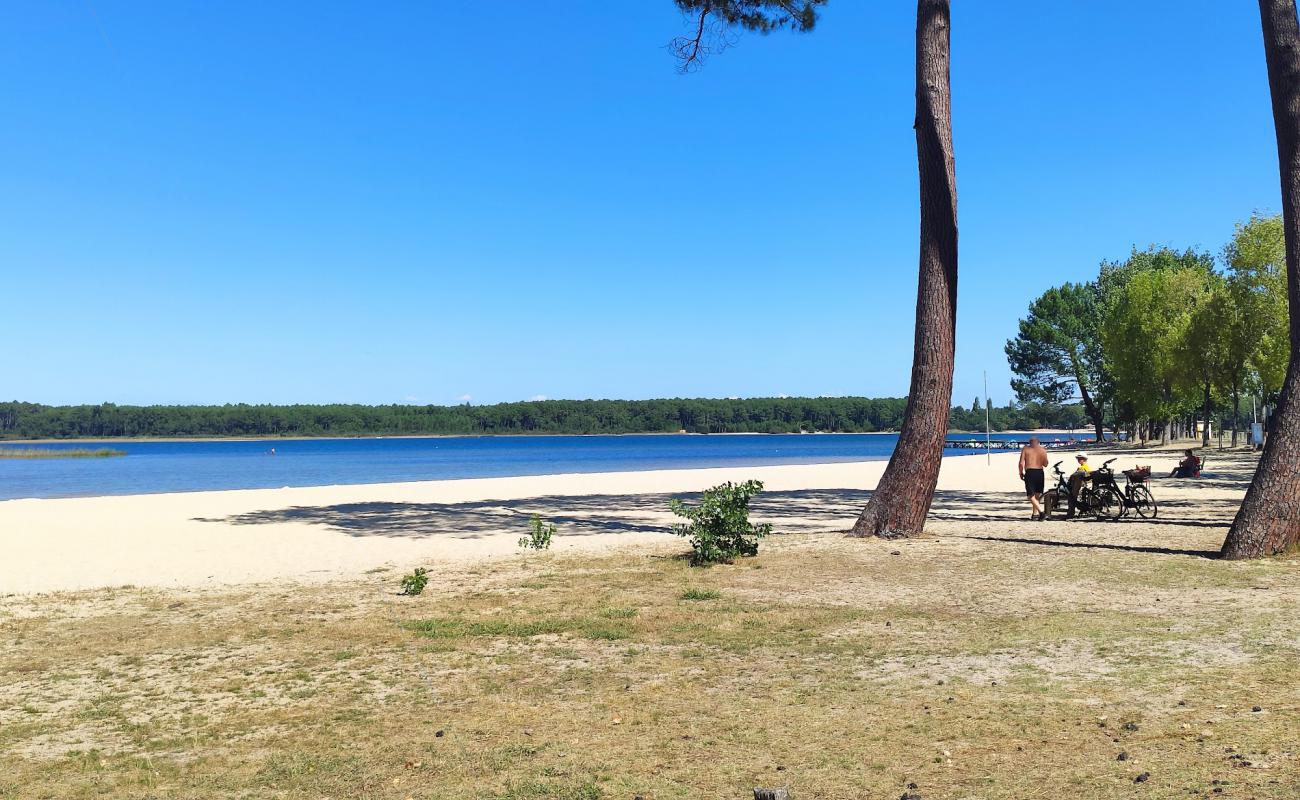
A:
189,539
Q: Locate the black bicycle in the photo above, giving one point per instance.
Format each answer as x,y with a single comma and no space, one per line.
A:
1102,499
1137,492
1108,499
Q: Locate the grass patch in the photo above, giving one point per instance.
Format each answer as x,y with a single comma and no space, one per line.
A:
459,628
700,595
608,633
619,613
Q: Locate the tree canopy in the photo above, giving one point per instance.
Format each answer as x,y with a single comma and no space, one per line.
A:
1256,261
712,19
1056,355
1163,334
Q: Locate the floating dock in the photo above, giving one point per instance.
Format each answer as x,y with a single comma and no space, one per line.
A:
1011,444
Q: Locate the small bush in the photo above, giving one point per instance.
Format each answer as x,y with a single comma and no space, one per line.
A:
719,528
701,594
414,583
539,535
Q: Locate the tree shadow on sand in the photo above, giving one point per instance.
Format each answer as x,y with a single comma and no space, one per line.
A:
1131,548
789,512
806,511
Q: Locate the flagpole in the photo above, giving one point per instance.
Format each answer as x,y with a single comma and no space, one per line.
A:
988,438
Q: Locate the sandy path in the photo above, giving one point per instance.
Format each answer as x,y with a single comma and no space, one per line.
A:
319,533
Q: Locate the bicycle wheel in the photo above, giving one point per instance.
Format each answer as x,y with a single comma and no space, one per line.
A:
1144,503
1108,503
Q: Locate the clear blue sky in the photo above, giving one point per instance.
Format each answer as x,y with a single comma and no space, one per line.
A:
425,201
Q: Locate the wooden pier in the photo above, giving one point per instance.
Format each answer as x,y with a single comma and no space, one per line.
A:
1012,444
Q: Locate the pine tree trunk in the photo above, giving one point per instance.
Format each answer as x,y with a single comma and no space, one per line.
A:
1267,522
901,501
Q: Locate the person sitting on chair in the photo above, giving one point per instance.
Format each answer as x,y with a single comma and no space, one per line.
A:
1076,482
1189,467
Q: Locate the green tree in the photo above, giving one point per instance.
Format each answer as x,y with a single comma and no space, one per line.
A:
1235,343
903,495
1057,354
1147,305
1256,259
1203,351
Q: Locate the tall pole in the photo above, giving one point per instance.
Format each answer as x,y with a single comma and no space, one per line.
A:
988,438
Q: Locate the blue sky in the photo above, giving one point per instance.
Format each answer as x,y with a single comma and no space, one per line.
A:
429,201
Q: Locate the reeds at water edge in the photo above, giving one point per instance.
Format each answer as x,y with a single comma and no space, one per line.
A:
55,452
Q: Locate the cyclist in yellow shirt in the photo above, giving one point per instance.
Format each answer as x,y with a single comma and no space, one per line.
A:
1081,474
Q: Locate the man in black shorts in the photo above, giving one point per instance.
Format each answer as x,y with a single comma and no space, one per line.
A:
1033,460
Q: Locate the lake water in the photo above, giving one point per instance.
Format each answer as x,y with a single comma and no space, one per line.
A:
152,467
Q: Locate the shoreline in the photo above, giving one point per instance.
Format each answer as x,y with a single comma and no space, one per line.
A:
956,453
575,475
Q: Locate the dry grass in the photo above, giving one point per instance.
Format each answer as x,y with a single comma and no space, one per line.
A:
974,668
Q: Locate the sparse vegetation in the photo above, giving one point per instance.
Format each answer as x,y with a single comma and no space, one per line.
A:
539,534
415,582
719,528
958,666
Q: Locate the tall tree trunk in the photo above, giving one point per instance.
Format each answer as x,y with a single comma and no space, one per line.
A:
1205,424
901,501
1267,522
1236,410
1094,411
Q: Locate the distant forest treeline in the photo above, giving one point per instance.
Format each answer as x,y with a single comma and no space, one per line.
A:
756,415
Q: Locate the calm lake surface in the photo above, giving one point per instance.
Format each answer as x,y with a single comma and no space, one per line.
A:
152,467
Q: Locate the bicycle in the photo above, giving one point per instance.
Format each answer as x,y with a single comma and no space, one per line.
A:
1108,500
1137,494
1102,499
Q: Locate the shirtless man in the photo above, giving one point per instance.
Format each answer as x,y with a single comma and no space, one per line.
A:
1033,460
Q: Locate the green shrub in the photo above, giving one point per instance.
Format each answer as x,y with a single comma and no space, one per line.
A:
719,528
414,583
539,534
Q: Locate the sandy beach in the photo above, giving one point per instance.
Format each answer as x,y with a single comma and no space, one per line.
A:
328,532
